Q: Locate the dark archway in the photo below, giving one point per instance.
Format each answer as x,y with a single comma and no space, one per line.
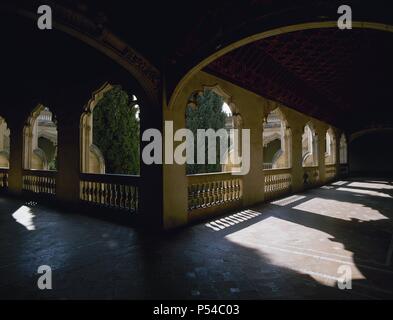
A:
371,155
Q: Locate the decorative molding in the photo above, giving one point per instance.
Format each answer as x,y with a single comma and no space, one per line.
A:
5,154
96,96
97,36
360,133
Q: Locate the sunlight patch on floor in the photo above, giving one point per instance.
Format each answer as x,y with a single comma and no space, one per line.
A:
288,200
322,266
378,181
376,186
24,216
339,183
232,220
340,209
368,192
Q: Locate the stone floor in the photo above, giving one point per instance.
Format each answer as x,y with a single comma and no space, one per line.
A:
288,249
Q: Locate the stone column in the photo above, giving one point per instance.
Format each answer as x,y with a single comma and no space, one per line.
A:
16,157
297,165
321,134
252,110
338,165
151,186
68,159
175,185
3,127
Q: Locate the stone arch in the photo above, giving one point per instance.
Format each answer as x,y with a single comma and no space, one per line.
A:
95,35
276,128
41,122
4,159
92,159
234,120
47,143
361,133
87,156
89,161
39,161
205,61
309,145
4,144
228,99
343,149
330,146
99,160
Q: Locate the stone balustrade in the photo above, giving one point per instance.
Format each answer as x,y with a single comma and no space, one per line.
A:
278,182
39,182
330,172
3,178
111,191
311,177
214,190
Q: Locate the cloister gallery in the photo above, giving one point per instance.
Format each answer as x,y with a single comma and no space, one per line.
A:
317,102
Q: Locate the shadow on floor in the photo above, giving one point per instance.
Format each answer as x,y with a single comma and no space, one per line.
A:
247,255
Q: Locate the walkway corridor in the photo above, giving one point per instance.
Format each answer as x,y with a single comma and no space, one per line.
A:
290,248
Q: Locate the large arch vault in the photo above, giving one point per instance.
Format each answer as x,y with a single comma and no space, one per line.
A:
261,56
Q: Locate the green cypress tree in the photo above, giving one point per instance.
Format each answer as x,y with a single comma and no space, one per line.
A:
207,114
116,132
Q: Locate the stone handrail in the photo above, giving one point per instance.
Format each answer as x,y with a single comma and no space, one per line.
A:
4,178
278,182
311,176
213,190
330,171
110,190
39,181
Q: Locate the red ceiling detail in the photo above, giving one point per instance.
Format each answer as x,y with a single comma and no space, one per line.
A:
320,72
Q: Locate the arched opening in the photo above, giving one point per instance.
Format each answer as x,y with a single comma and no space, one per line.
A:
276,141
309,146
40,140
110,131
223,50
211,108
370,155
330,149
343,150
4,144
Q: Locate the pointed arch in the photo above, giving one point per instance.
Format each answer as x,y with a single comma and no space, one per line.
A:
277,141
40,123
330,146
226,97
92,158
4,144
309,146
343,149
226,112
90,162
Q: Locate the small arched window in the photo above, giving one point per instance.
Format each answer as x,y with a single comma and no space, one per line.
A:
40,140
211,108
276,141
330,153
110,131
4,144
309,146
343,150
